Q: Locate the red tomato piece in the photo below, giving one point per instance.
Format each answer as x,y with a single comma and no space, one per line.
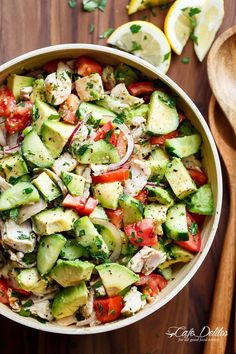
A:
89,207
76,203
102,132
3,291
68,109
115,216
182,117
114,176
51,66
11,283
85,66
7,102
141,233
121,144
194,243
142,196
198,218
141,88
160,140
198,176
154,283
20,118
108,309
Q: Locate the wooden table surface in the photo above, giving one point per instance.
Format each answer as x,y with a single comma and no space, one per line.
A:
30,24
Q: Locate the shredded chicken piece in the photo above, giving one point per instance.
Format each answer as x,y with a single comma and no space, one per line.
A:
25,93
146,260
87,309
140,172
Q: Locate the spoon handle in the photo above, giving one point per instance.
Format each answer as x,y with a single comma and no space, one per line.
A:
224,285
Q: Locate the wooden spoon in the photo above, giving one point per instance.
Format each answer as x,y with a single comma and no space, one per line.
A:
221,67
224,286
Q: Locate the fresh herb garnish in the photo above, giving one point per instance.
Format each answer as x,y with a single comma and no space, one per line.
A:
143,297
29,258
192,12
135,28
193,228
108,136
82,149
165,6
166,56
23,236
27,304
13,213
28,190
185,60
118,120
106,33
35,113
91,28
194,38
67,179
92,5
170,102
72,3
135,46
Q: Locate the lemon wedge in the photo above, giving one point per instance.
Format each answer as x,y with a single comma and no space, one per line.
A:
138,5
144,40
209,21
178,24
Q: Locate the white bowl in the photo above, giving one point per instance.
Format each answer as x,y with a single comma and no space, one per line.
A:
211,163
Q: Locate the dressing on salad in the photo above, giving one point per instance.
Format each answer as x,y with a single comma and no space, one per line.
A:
102,191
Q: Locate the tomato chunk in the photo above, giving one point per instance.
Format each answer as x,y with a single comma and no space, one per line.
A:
193,245
182,117
121,144
108,309
142,196
68,109
7,102
86,66
141,233
20,118
51,66
198,176
115,216
80,204
152,284
3,291
160,140
106,132
114,176
141,88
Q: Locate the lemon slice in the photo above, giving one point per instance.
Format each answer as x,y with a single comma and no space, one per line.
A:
209,21
138,5
144,40
178,26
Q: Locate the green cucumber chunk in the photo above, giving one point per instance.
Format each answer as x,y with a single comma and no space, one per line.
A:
183,146
176,223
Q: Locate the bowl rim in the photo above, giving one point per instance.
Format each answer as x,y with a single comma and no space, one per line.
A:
5,311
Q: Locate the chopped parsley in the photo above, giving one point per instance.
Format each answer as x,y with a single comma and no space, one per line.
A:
106,33
13,213
35,113
166,56
22,236
82,149
108,136
143,297
91,28
170,102
118,120
28,190
194,38
67,179
72,3
29,258
193,228
135,28
92,5
192,12
135,46
185,60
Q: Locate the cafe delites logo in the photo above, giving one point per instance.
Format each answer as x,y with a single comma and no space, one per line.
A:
182,333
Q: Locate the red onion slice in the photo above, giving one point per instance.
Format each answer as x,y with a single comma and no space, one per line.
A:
11,150
69,141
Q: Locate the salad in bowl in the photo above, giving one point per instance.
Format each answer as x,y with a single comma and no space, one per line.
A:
103,193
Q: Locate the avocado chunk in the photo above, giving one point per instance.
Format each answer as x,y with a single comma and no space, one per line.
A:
108,194
17,82
177,255
46,187
34,150
43,112
157,212
72,250
54,220
20,194
98,115
133,209
88,237
99,152
183,146
13,166
99,213
30,280
69,300
176,223
141,111
116,277
125,74
49,249
202,201
179,179
158,194
158,162
38,92
71,273
74,183
163,117
55,136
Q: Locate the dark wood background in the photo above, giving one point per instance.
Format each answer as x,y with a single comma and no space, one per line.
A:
29,24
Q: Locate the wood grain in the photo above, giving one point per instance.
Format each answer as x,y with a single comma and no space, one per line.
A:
30,24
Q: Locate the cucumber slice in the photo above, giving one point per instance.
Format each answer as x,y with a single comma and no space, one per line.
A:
49,249
99,115
35,151
176,223
100,152
162,117
183,146
201,202
132,208
166,272
72,250
20,194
